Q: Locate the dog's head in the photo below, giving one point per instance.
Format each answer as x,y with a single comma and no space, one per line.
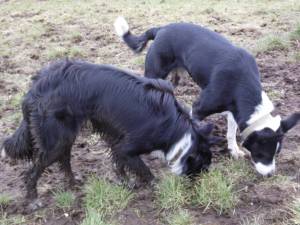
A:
198,157
265,144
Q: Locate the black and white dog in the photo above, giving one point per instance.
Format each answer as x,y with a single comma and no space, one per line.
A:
136,115
229,79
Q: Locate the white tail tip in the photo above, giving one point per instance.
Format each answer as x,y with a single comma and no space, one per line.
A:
3,153
121,26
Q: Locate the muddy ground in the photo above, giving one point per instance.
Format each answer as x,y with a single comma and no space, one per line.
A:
280,78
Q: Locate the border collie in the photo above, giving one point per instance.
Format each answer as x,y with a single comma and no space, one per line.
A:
136,115
229,79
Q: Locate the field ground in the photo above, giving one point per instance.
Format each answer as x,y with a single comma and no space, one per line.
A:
35,32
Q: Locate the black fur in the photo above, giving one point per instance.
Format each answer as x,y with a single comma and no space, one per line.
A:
136,115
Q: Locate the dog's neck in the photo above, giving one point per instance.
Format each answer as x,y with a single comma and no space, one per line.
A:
261,118
178,150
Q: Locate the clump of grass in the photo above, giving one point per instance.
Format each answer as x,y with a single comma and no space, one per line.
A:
76,37
139,60
172,192
182,217
215,190
255,220
15,100
15,220
93,218
57,52
237,170
295,209
4,200
64,199
104,197
75,52
60,52
295,35
270,43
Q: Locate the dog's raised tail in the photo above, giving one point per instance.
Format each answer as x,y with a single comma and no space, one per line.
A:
18,146
136,43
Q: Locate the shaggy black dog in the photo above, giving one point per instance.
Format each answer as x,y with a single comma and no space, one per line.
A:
136,115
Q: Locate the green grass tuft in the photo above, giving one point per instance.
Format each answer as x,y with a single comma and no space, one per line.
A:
105,197
215,190
93,218
237,170
271,43
15,220
75,52
15,100
61,52
57,52
182,217
172,192
4,200
64,199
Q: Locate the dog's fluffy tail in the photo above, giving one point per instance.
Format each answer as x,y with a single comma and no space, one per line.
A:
18,146
136,43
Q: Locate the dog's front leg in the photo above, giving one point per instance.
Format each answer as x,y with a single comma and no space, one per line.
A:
65,165
138,167
231,137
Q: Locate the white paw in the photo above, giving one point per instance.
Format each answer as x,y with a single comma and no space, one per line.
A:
237,153
3,154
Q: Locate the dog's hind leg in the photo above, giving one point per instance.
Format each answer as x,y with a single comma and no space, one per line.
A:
158,66
31,178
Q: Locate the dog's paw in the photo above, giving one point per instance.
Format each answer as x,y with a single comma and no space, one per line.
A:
237,153
3,153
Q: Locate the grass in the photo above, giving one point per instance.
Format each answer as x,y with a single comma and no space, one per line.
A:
295,35
172,192
237,170
15,100
104,197
255,220
295,208
4,200
93,218
64,199
271,43
181,217
214,190
61,52
15,220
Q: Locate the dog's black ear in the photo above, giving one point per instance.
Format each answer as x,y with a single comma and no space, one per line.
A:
290,122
